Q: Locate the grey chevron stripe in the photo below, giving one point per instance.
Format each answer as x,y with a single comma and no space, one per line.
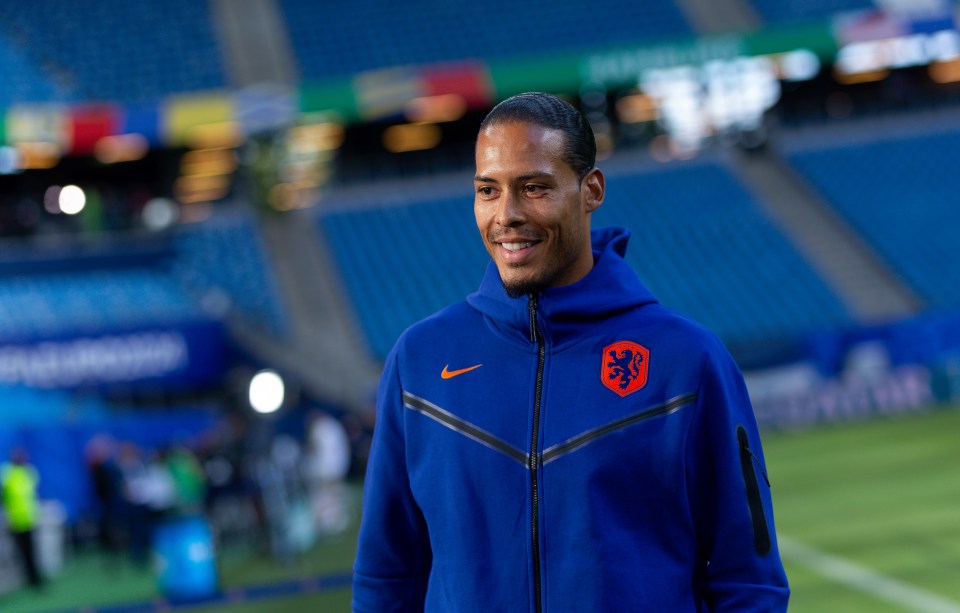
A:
464,427
572,444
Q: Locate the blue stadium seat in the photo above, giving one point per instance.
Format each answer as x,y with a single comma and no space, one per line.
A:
23,80
222,264
115,50
216,269
397,273
89,301
335,39
785,11
703,247
901,195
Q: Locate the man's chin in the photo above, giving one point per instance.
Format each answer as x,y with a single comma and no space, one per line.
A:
515,288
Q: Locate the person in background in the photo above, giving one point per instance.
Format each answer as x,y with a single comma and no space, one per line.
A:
326,465
189,480
18,483
108,488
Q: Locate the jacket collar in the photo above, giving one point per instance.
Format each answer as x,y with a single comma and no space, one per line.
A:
565,312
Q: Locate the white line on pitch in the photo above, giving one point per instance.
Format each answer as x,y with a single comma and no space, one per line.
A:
861,578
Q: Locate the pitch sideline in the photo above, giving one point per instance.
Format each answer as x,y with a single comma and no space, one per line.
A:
840,570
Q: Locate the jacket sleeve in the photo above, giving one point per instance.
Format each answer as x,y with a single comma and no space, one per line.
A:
730,496
393,552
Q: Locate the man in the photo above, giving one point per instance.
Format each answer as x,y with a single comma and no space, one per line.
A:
18,485
560,441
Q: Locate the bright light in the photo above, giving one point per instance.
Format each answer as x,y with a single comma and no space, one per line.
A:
72,199
411,137
38,155
945,72
869,60
315,137
208,162
799,65
211,135
266,392
121,148
695,102
436,109
635,108
9,160
159,213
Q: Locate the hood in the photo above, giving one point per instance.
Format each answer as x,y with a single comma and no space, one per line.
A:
609,288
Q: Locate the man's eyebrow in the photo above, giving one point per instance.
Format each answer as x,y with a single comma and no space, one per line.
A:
519,178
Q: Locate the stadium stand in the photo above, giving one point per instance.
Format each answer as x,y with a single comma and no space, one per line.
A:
900,194
112,50
719,260
23,79
217,268
785,11
403,262
338,39
222,264
95,300
708,251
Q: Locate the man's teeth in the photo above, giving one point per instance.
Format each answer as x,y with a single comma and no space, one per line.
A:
515,246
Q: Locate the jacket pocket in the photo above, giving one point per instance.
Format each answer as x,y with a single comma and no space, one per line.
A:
761,531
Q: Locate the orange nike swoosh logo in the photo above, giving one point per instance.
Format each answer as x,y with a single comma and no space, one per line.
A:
449,374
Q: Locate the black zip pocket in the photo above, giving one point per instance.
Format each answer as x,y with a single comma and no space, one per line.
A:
761,532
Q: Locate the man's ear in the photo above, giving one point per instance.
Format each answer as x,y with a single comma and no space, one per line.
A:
593,187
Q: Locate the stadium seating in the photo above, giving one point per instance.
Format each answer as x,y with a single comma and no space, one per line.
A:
217,268
395,272
784,11
129,52
48,304
335,39
705,250
222,265
900,194
23,80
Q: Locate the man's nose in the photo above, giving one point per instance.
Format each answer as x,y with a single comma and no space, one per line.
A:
509,210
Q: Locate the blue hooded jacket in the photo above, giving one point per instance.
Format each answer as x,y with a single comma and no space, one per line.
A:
586,449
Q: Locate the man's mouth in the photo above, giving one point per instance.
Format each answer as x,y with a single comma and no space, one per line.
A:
516,246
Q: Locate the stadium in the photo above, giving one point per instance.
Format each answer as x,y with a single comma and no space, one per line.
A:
216,218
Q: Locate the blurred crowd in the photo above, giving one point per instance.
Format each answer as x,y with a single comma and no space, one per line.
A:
259,490
276,492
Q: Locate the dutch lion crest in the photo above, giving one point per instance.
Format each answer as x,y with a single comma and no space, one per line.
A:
625,366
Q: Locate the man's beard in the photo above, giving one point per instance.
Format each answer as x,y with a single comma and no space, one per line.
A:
523,288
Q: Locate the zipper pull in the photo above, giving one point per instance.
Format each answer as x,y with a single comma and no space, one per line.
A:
533,318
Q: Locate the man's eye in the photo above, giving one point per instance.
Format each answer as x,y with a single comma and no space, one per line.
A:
485,190
533,189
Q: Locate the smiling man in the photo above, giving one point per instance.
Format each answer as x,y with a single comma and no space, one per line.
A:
560,441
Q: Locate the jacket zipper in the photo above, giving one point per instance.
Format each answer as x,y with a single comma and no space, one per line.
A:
536,337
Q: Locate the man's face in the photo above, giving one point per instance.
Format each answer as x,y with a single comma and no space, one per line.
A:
532,210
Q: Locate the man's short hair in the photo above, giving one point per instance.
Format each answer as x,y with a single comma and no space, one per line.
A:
549,111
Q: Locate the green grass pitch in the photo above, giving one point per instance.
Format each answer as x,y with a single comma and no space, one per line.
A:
883,495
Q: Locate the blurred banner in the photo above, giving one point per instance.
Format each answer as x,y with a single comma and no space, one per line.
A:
184,355
863,372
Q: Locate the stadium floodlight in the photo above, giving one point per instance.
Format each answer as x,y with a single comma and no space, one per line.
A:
159,213
720,97
72,199
266,391
799,65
